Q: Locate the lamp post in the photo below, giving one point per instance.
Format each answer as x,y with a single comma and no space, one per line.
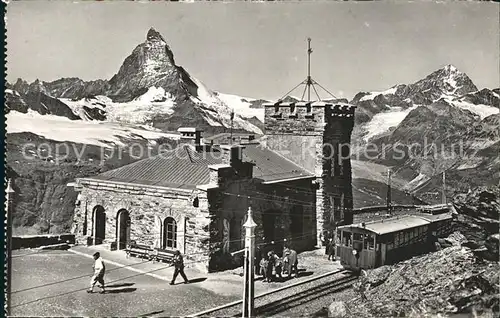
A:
248,292
10,198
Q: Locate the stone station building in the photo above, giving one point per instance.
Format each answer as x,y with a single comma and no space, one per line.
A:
195,198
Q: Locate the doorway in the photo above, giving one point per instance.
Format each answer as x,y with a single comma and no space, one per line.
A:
122,229
99,220
273,231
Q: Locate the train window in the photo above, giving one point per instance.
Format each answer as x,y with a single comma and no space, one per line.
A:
347,239
369,242
357,237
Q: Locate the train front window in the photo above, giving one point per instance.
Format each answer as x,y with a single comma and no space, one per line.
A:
369,242
357,237
347,239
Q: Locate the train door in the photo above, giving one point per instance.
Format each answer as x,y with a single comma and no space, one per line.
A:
382,249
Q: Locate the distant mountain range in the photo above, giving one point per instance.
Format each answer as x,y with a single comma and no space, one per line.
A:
151,95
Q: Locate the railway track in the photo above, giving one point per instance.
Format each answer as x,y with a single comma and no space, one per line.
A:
290,300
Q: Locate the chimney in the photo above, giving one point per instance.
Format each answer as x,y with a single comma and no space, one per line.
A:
232,154
190,135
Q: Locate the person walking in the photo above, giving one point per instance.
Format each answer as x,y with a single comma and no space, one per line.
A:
98,277
179,268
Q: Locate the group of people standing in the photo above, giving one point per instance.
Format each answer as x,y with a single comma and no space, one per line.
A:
271,266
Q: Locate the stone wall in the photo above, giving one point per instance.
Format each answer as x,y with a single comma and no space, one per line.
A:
310,135
229,201
148,207
34,241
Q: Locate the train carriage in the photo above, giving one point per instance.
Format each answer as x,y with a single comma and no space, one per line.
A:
373,244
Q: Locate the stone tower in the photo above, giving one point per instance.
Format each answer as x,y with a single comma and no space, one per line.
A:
317,136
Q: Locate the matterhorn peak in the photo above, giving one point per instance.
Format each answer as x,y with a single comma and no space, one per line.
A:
450,68
154,35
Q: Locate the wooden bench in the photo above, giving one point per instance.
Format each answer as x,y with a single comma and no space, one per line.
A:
162,255
138,250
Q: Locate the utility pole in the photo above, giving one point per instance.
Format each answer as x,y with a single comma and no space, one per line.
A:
389,198
10,199
444,187
231,134
309,80
248,291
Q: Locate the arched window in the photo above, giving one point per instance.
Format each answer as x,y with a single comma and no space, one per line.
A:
169,233
196,202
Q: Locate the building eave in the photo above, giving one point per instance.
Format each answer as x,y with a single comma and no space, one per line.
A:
288,179
128,185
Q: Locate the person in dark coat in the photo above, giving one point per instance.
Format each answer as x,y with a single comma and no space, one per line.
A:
179,268
331,249
270,266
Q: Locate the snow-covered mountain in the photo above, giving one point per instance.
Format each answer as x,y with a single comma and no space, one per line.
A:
149,89
439,123
379,112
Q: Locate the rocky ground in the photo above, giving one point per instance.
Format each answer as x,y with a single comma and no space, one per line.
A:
461,277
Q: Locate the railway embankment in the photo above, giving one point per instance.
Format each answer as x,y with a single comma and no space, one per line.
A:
461,277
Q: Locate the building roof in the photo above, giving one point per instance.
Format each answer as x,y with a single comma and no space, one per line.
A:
185,168
391,225
435,217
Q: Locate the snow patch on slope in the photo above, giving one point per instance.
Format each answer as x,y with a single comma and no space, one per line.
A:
417,181
482,110
104,134
381,122
217,112
372,95
138,111
241,106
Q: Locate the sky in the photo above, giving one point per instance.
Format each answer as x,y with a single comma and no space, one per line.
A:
259,50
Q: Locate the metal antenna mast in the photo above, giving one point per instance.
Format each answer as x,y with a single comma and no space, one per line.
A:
309,82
